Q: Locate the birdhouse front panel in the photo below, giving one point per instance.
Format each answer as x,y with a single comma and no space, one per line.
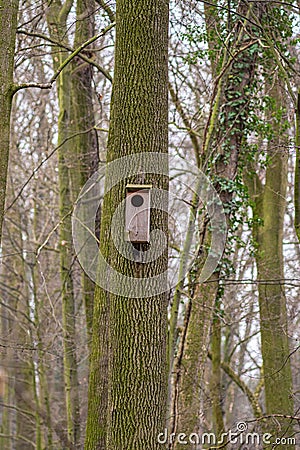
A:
137,214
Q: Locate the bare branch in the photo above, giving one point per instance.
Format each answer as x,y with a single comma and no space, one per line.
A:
17,88
70,49
105,6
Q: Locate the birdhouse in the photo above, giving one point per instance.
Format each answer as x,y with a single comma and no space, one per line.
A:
137,213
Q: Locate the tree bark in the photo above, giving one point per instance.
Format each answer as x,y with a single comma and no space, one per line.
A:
228,134
269,204
297,170
216,392
85,144
137,369
8,28
56,17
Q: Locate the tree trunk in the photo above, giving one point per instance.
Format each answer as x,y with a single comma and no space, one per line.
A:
215,386
137,371
228,140
85,144
270,205
27,420
8,28
56,18
297,170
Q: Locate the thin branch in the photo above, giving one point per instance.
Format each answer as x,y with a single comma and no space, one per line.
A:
186,121
80,48
64,12
24,412
17,88
18,437
243,386
271,416
43,162
105,6
70,49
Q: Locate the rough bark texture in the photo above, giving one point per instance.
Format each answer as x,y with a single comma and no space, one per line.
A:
8,27
25,423
96,427
137,371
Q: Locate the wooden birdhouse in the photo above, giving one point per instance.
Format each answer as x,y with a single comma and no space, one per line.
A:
137,213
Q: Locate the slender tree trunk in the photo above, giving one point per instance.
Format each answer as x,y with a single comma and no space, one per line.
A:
27,421
8,28
216,392
67,263
137,372
196,347
5,418
85,144
56,18
43,388
297,170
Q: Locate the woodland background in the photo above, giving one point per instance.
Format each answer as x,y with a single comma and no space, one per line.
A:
232,353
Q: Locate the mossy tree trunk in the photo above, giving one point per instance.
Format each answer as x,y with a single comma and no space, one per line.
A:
8,28
269,204
228,138
27,421
187,410
297,170
85,143
57,23
127,396
216,392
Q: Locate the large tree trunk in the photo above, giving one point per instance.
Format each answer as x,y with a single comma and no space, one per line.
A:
8,28
228,139
137,371
270,203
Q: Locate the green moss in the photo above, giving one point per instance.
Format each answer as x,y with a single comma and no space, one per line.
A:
270,206
127,394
